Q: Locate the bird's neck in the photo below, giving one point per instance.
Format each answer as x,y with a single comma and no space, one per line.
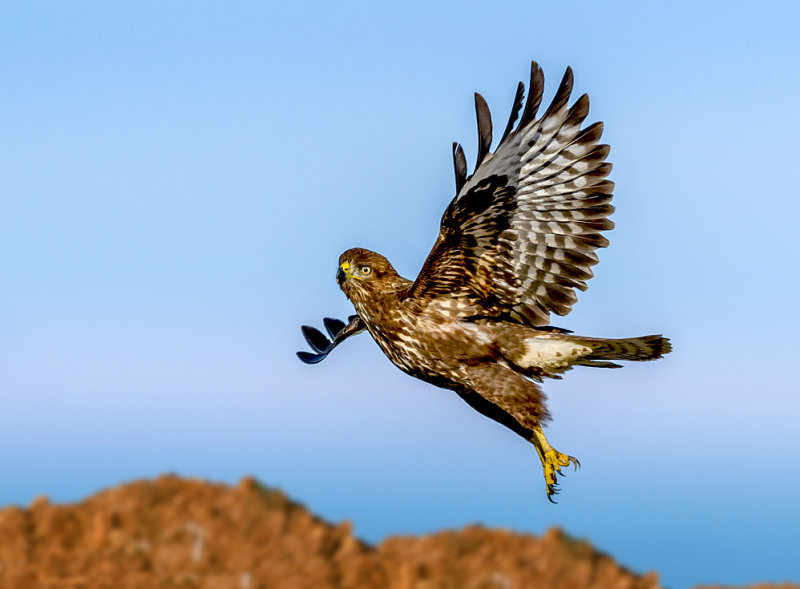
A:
378,306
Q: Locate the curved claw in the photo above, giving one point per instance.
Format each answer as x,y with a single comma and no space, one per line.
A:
552,491
575,462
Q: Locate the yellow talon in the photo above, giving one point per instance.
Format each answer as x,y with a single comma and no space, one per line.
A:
552,461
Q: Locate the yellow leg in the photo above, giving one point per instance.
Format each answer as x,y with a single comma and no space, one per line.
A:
552,461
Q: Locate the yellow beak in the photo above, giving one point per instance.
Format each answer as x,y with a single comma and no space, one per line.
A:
343,273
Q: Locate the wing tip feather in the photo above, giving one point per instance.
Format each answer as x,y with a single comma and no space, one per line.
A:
484,128
459,165
535,91
562,94
515,108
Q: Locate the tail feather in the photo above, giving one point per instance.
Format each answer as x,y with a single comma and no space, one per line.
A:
648,347
596,363
551,353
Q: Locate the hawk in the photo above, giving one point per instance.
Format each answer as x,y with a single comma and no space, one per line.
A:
516,242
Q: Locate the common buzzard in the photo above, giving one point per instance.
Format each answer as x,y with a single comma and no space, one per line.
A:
516,241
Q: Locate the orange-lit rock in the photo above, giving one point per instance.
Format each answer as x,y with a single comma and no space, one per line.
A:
189,533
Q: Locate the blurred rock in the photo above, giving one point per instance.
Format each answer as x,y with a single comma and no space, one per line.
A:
189,533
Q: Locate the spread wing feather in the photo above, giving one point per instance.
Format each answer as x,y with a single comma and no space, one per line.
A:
460,166
520,236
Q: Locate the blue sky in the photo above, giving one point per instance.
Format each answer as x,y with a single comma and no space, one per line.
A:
179,180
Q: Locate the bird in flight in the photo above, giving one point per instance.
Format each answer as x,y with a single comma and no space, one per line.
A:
514,244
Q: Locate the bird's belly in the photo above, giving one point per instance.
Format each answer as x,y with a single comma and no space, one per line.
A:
435,353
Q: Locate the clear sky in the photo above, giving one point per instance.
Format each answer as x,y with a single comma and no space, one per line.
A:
178,180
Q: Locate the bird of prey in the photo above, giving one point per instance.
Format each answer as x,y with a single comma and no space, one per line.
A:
514,244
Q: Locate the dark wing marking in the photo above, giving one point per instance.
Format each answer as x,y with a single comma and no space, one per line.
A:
338,332
520,235
463,257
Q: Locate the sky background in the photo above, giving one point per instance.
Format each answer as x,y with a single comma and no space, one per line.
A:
178,180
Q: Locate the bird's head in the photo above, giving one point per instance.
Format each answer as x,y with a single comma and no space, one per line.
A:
362,272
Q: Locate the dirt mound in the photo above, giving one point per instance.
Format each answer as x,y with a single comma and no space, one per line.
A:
176,532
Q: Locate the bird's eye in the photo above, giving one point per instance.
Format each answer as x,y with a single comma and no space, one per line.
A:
366,270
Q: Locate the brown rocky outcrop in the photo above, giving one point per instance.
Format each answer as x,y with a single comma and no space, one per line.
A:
188,533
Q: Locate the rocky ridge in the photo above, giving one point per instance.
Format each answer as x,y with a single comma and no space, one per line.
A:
174,532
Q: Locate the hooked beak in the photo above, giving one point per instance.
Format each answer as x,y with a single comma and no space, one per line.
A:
343,273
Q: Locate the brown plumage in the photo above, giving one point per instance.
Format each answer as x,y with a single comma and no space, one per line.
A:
516,241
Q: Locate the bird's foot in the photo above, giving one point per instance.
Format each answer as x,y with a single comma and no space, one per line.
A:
552,461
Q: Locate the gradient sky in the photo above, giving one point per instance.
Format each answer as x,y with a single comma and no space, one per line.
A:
178,180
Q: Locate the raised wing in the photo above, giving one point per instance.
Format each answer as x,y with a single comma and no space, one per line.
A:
520,235
338,332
